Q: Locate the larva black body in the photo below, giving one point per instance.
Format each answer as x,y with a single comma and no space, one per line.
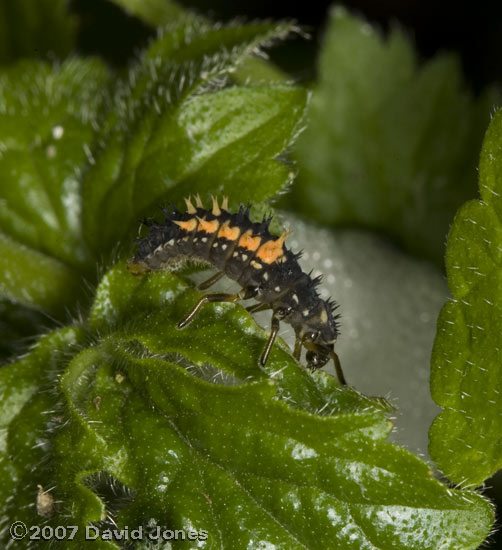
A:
260,262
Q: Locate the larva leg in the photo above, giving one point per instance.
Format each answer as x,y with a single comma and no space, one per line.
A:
258,307
210,282
270,343
338,368
244,294
298,348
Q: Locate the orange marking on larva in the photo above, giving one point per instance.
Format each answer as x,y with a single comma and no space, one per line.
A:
248,241
229,233
189,225
272,250
216,209
190,207
208,227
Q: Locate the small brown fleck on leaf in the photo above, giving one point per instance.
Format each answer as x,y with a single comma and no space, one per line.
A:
45,502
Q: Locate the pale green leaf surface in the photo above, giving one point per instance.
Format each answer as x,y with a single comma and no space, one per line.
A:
465,439
391,145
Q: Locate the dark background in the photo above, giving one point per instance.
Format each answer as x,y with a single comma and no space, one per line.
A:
474,31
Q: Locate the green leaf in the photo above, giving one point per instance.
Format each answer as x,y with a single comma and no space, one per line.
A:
46,118
390,146
19,383
176,132
35,28
82,160
154,12
148,425
158,13
18,325
34,279
120,299
465,439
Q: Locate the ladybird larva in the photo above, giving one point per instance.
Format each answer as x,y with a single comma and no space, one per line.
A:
262,265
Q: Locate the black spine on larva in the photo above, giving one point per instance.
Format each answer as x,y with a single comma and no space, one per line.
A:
282,284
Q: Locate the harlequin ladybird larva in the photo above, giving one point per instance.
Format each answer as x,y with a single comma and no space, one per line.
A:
260,262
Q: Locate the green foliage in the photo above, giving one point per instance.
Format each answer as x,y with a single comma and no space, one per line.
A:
389,146
154,12
35,28
53,282
191,432
465,439
19,326
158,13
123,417
77,149
186,133
19,384
47,114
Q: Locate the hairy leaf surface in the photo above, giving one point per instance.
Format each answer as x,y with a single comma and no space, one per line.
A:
46,125
157,13
465,439
148,425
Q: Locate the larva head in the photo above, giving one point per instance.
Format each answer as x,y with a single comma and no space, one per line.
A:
319,333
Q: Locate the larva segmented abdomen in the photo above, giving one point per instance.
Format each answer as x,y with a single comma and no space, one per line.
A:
246,252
